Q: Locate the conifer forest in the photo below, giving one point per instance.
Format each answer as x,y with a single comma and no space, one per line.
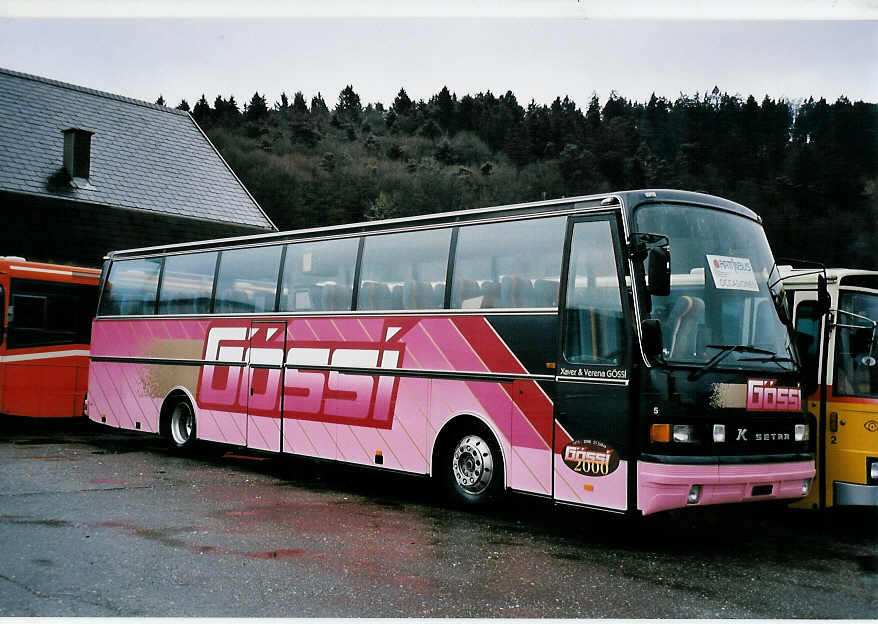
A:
809,168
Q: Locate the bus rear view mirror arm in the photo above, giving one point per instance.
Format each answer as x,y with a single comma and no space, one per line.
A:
651,337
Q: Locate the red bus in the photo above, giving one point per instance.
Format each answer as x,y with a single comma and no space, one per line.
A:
45,329
550,348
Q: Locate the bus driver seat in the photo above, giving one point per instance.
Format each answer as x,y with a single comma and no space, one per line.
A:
683,325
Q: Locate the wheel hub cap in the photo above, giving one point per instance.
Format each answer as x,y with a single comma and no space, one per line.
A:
473,464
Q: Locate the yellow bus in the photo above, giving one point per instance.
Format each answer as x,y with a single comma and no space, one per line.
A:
840,380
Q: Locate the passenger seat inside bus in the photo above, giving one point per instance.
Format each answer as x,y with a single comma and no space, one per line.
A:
683,322
374,296
516,292
546,293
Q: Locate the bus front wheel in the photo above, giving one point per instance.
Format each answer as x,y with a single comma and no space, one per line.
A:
473,466
182,425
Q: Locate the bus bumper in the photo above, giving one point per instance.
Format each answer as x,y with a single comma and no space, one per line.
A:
854,494
672,486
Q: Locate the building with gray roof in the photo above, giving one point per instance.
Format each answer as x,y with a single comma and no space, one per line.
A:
83,172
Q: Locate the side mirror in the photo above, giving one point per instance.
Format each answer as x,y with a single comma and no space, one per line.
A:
780,304
651,337
658,271
823,301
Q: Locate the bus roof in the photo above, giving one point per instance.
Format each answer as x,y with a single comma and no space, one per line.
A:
630,199
16,266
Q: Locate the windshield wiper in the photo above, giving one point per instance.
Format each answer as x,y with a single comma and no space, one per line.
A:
724,351
770,358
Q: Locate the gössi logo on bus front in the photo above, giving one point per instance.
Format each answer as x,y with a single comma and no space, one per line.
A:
731,273
591,458
764,395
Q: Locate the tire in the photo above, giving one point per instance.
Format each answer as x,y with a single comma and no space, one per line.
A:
472,466
181,426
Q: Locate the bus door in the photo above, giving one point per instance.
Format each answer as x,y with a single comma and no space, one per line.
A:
265,374
809,327
852,403
592,454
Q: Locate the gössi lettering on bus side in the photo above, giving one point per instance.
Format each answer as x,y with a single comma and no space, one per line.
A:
329,396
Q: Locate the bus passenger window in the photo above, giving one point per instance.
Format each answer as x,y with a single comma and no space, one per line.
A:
404,271
594,324
187,283
247,280
131,287
319,277
49,313
510,264
855,372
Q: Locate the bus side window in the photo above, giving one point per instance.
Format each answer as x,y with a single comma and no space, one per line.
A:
319,276
187,283
511,264
404,271
131,287
807,342
247,280
49,313
594,322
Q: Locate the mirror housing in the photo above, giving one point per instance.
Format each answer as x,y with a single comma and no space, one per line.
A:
651,337
823,300
658,271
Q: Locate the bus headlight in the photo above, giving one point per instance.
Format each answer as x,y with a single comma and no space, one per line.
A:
694,494
672,433
684,433
802,433
873,470
719,433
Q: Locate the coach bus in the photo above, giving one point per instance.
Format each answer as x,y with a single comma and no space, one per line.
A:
837,343
46,312
552,348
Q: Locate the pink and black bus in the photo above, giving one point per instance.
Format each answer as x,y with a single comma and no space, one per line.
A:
555,348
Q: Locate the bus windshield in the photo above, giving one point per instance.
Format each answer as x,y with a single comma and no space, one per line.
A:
856,372
719,310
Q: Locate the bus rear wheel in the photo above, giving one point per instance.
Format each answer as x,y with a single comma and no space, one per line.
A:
473,467
182,425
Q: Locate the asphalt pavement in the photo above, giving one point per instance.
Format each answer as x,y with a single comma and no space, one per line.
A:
100,522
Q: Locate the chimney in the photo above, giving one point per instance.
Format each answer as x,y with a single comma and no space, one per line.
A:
77,153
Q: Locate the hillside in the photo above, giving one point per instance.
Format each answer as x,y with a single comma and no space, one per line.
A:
808,168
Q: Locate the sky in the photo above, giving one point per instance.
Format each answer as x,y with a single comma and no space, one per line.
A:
538,50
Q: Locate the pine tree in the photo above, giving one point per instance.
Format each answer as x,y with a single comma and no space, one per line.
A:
402,104
445,104
319,110
299,105
257,109
348,110
202,112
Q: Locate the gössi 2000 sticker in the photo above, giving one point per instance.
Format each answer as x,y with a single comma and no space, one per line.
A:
591,458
